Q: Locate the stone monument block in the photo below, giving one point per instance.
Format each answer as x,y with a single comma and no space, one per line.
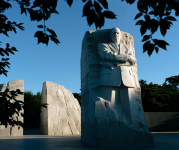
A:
63,113
111,107
13,131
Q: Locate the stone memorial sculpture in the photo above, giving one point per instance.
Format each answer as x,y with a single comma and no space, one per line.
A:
15,130
63,113
111,107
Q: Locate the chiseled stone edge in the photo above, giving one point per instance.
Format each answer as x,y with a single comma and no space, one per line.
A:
73,125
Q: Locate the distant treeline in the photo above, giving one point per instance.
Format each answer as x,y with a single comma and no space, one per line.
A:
161,98
155,98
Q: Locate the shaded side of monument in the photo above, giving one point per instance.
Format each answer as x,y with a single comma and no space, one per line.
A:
99,126
63,113
15,130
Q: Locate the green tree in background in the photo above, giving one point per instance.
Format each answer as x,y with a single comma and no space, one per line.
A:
78,97
161,98
32,109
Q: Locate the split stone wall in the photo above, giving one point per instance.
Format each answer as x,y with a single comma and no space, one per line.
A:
13,131
63,113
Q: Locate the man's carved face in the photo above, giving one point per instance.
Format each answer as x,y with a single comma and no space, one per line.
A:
115,35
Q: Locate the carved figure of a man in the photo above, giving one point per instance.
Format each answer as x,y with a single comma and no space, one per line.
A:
116,78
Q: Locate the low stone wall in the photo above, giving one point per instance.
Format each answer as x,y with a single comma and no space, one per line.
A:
162,121
13,131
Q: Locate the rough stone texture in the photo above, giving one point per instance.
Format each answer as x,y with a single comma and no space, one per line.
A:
13,131
99,125
63,113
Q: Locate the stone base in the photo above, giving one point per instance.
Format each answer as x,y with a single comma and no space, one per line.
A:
103,130
124,137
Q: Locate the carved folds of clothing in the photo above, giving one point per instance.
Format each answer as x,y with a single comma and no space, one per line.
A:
113,72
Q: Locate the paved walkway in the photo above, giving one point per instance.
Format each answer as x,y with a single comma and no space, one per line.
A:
163,141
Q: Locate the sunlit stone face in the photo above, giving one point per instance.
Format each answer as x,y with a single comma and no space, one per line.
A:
115,35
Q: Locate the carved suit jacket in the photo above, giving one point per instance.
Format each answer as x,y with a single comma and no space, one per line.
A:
114,73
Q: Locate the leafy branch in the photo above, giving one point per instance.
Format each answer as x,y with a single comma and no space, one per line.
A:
94,12
43,37
161,13
4,61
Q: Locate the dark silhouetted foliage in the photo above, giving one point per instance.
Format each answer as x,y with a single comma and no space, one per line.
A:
10,107
161,98
78,97
32,109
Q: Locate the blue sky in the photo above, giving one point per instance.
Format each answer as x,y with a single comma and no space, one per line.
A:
60,63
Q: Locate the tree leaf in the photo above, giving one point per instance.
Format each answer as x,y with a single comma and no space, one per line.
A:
138,15
163,28
160,43
70,2
167,13
91,17
170,18
154,25
86,8
37,3
151,12
54,39
97,7
156,49
5,32
5,52
38,34
14,49
30,10
147,17
99,20
140,6
4,59
140,22
52,32
176,13
23,11
40,16
46,39
11,51
109,14
54,11
40,26
104,3
143,29
40,40
146,37
130,1
146,46
3,16
7,45
151,49
1,53
20,27
84,0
